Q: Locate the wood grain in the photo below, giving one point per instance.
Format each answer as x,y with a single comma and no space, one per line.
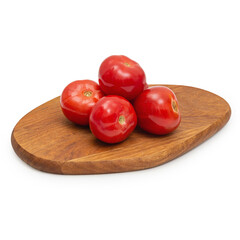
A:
47,141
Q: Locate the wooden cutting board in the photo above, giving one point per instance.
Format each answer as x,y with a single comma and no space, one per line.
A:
47,141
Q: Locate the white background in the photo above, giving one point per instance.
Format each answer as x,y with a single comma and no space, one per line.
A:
44,45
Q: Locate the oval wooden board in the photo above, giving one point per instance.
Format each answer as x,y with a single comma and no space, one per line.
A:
47,141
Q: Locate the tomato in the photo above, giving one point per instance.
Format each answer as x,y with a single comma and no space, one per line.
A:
78,99
157,110
119,75
112,119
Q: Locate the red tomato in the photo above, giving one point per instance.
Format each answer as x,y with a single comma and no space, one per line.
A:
78,99
157,110
112,119
119,75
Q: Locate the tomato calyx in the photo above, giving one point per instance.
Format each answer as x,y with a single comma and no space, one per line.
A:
87,93
127,64
174,106
121,119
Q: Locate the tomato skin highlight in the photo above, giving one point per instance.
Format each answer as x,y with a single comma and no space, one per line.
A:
119,75
157,110
78,99
112,119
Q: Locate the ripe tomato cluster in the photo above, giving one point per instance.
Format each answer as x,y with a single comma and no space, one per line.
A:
122,99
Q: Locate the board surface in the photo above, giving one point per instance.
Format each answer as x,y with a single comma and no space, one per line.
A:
47,141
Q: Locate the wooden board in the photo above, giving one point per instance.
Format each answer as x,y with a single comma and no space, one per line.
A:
47,141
